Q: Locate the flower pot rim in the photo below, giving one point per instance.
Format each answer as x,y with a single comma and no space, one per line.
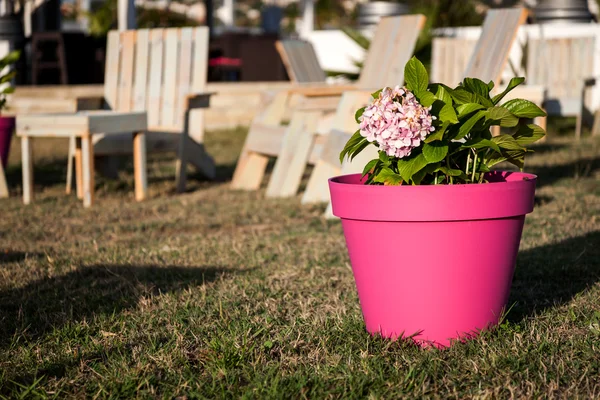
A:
510,194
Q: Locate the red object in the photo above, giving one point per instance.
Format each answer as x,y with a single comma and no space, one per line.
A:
7,127
225,62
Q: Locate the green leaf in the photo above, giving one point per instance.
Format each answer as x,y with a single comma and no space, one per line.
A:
481,143
527,134
435,151
375,95
490,85
384,158
461,96
507,142
468,125
407,168
388,177
515,157
450,172
426,98
438,134
442,92
503,116
468,108
523,108
415,76
514,82
358,114
353,142
447,114
418,176
477,86
370,165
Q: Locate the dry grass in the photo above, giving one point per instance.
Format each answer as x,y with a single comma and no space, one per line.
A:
218,293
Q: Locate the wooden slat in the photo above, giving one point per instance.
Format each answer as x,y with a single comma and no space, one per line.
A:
292,160
141,69
156,76
169,93
200,37
403,49
125,97
111,74
184,75
380,52
497,36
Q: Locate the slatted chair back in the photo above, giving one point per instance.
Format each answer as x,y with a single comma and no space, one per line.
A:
561,65
449,59
300,61
391,47
491,52
154,70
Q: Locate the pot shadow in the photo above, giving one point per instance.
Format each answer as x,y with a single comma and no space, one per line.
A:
40,306
554,274
581,168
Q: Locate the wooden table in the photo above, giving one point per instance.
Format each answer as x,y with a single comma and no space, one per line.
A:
82,126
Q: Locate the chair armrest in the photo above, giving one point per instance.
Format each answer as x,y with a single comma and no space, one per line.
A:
198,100
321,91
90,103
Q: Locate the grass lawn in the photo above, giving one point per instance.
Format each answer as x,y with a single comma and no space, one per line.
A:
218,293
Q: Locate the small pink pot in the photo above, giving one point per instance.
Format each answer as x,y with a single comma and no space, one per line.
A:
433,263
7,127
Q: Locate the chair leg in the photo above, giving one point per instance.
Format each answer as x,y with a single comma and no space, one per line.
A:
596,127
78,169
181,163
27,167
3,185
249,171
139,166
87,160
70,165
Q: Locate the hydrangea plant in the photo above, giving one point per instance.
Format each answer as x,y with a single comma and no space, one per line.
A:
428,133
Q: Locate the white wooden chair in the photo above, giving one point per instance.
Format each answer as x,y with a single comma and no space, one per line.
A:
296,144
300,61
162,72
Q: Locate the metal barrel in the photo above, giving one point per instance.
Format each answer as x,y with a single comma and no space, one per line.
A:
552,11
371,12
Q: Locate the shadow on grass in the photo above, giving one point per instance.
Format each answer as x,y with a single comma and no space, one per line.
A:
581,168
9,256
554,274
40,306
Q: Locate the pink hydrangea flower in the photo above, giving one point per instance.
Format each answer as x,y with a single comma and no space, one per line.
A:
396,121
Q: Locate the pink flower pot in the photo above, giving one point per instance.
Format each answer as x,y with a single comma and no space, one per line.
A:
7,127
434,263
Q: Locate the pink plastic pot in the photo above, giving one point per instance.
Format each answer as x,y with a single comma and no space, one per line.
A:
434,263
7,127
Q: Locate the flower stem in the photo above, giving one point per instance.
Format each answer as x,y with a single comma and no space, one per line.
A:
474,165
468,163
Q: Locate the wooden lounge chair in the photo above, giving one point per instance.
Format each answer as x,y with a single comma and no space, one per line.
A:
300,61
162,72
296,144
487,63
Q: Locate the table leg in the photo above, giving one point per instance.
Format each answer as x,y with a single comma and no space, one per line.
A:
139,166
78,169
87,158
69,186
27,167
